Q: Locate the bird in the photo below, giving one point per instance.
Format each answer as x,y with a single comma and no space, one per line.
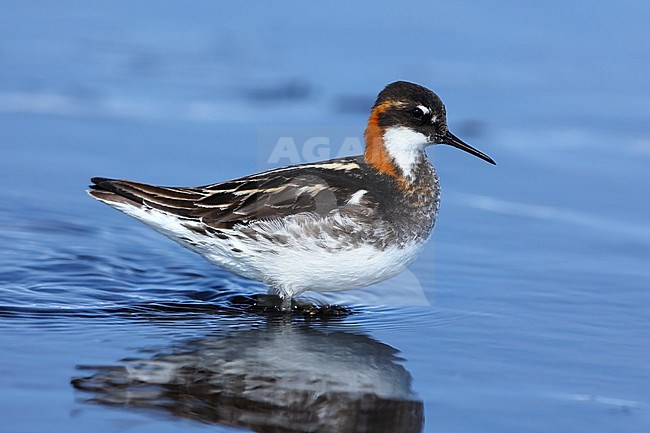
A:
339,224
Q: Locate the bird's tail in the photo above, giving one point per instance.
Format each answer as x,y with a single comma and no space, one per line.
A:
115,192
179,201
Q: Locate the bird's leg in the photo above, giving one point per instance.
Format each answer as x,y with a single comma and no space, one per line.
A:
285,298
285,307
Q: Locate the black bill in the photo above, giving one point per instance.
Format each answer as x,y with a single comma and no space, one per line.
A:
452,140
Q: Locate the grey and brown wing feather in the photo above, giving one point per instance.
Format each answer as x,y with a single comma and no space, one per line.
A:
315,188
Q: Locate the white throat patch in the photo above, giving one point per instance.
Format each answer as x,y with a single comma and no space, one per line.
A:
405,146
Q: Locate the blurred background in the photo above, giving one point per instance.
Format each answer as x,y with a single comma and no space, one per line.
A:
536,279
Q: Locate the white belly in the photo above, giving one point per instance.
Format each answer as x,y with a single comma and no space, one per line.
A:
293,271
320,263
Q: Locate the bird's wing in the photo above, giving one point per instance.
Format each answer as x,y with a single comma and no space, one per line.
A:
317,188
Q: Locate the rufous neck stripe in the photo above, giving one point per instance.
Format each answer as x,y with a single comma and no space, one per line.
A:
376,154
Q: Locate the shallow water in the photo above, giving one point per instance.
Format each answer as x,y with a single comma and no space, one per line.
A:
528,311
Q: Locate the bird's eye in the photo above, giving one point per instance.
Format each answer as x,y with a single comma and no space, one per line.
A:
417,112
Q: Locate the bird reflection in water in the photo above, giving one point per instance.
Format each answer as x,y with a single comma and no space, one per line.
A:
280,377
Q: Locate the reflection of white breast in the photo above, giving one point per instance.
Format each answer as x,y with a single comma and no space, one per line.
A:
305,362
281,378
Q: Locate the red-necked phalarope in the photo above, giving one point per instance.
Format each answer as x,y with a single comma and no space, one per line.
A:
334,225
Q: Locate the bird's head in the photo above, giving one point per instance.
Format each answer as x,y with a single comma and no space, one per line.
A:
405,119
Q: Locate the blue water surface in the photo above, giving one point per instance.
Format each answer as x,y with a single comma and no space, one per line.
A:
528,311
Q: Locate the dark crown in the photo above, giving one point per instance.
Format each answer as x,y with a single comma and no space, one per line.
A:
403,91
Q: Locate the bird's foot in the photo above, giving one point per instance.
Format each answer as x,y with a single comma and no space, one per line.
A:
273,304
286,305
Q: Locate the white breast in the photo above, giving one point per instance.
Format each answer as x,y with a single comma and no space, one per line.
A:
321,263
293,272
